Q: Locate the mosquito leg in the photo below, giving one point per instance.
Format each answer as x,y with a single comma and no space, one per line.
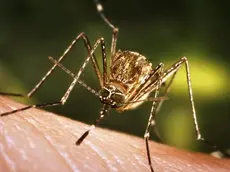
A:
31,106
170,72
12,94
166,91
151,121
63,99
105,78
66,95
88,47
103,113
73,75
82,83
159,105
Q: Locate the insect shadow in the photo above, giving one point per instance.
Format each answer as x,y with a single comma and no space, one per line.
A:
126,82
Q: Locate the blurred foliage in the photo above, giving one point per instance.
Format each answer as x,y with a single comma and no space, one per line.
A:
163,31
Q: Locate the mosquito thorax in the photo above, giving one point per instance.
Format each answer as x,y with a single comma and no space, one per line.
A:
112,96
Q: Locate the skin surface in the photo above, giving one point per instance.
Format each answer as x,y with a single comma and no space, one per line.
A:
36,140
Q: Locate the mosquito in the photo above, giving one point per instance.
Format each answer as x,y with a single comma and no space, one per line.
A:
126,82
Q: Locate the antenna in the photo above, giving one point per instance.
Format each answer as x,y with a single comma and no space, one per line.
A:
100,11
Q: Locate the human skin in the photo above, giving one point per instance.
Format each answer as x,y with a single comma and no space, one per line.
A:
36,140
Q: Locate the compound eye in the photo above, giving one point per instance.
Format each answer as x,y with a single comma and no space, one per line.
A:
118,98
104,93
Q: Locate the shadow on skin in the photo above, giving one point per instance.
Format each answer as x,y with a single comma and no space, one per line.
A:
36,140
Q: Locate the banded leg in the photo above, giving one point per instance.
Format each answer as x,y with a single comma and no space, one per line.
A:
171,71
151,119
73,75
12,94
99,41
66,95
105,108
87,45
39,84
159,105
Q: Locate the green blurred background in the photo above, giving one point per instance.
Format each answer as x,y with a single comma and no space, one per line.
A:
163,31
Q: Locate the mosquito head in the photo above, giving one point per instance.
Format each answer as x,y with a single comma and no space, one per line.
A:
112,96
